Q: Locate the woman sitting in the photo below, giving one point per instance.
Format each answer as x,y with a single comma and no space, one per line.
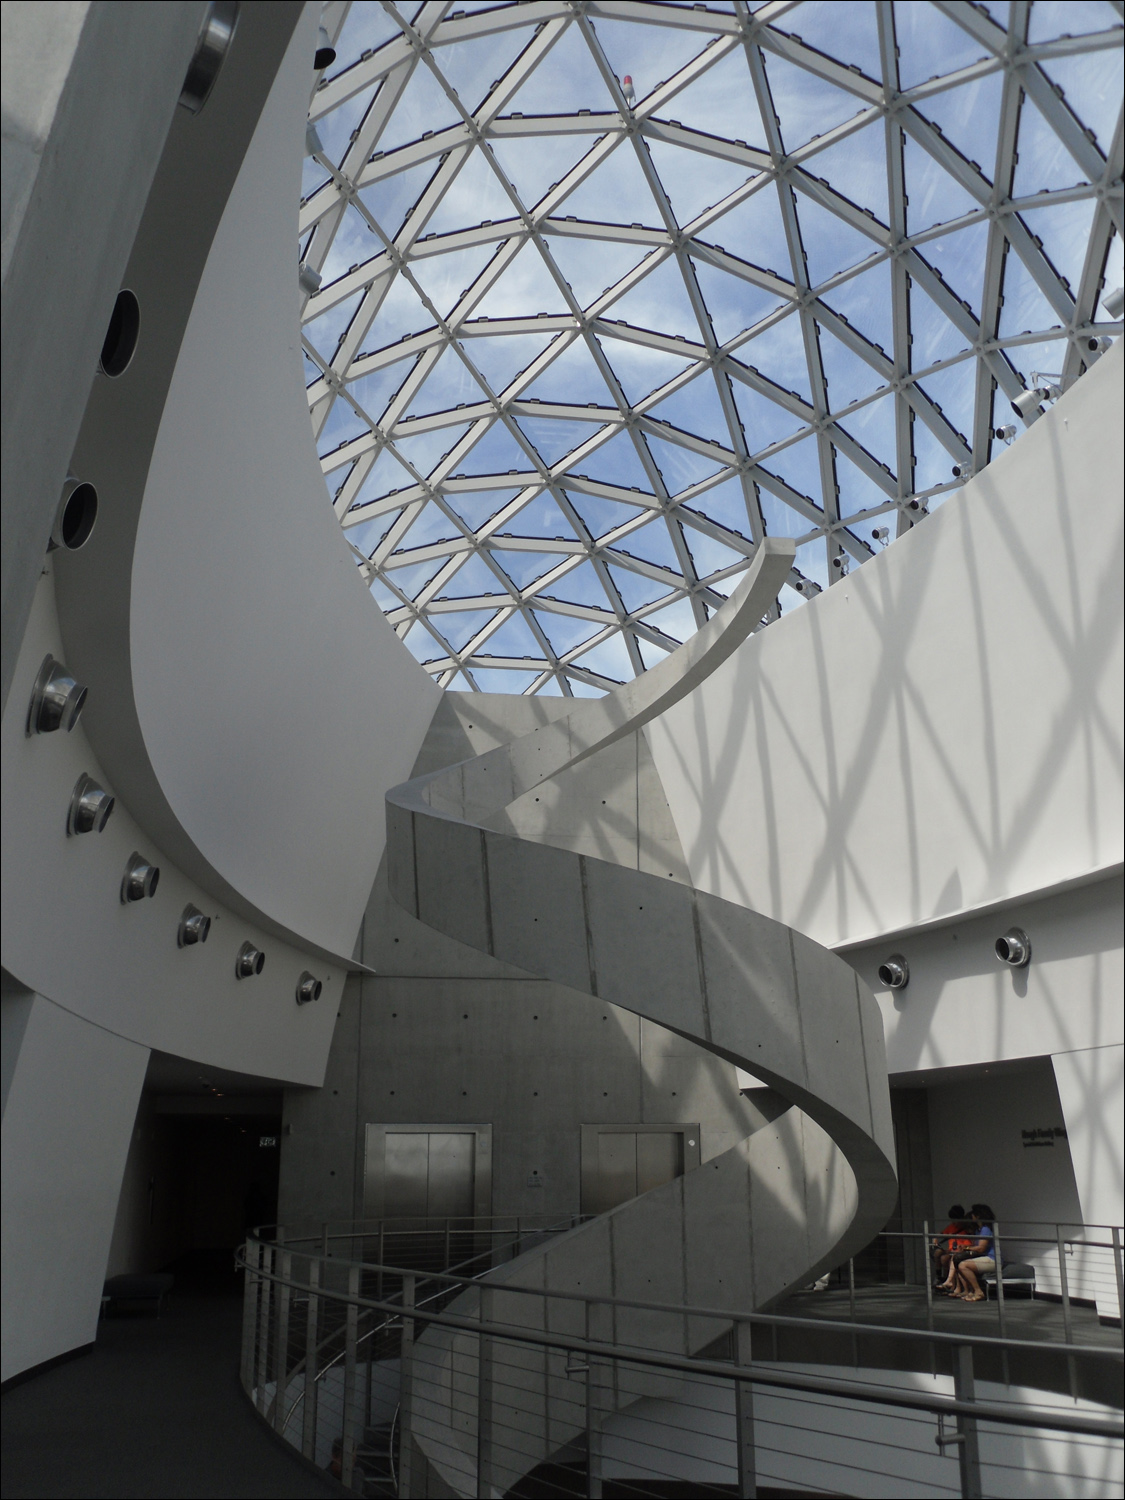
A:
981,1257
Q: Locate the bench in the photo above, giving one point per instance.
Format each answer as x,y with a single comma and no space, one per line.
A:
137,1287
1016,1274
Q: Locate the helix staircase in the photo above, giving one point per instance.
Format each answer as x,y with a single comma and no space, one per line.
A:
772,1213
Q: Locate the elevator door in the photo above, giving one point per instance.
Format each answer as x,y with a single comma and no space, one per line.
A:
619,1163
429,1175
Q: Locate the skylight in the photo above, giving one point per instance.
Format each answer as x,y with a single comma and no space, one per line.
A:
610,291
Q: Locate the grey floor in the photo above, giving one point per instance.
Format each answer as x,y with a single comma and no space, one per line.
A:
154,1410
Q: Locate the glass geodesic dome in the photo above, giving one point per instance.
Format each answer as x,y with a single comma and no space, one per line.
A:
597,295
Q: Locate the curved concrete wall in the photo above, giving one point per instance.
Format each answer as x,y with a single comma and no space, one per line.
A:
941,730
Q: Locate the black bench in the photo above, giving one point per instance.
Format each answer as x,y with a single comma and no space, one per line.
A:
1016,1273
150,1289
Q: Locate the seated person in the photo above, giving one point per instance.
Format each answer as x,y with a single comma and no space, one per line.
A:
952,1238
981,1257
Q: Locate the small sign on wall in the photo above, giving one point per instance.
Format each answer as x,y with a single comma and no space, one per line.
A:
1043,1136
267,1140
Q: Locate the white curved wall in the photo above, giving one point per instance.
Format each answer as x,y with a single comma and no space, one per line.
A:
942,729
277,704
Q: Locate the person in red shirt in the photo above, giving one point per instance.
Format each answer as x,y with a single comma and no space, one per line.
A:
953,1238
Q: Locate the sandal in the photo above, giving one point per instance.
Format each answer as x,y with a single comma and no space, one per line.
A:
973,1297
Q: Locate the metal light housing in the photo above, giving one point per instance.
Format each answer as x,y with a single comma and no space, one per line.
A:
90,807
894,972
57,699
195,927
1014,948
309,988
140,879
250,962
75,517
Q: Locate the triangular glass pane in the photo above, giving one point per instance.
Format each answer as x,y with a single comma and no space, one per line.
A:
857,491
426,449
726,504
693,180
368,534
553,438
382,595
343,424
650,55
721,102
540,517
1025,309
866,302
430,525
676,620
933,462
968,115
783,520
734,303
572,377
806,105
763,421
640,369
475,507
374,391
472,580
1065,232
1044,162
857,168
389,200
935,337
811,562
695,407
366,27
1091,83
616,462
934,197
448,384
476,194
709,555
778,353
954,391
755,231
564,632
847,375
385,476
413,578
831,244
1051,19
514,638
422,645
461,626
601,516
680,467
636,589
960,257
335,129
313,176
659,302
535,164
472,66
873,426
497,452
614,193
501,357
500,681
325,332
525,289
849,32
446,278
799,466
401,312
591,267
610,659
523,568
579,586
930,45
651,543
569,81
422,105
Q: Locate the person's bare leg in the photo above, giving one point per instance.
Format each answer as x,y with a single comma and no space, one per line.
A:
969,1276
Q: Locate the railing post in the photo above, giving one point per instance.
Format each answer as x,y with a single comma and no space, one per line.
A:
250,1294
744,1415
284,1264
312,1320
928,1263
348,1438
1064,1287
448,1249
1119,1275
484,1399
265,1301
968,1447
379,1292
1000,1309
597,1316
406,1463
851,1310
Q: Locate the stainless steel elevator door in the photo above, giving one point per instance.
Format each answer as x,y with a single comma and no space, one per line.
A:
621,1163
428,1175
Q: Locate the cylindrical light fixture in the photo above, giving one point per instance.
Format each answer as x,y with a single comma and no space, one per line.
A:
56,699
308,988
250,962
194,927
211,48
140,879
74,519
894,972
1014,948
90,807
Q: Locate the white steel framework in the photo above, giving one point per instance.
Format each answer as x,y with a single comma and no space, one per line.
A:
610,291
